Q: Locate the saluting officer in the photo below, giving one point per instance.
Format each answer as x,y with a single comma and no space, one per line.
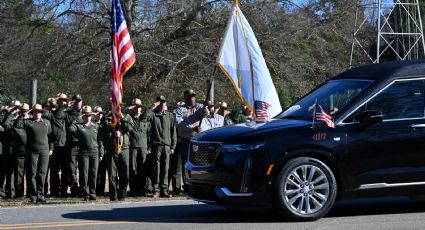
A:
163,143
19,145
139,129
90,151
58,161
9,157
40,146
73,116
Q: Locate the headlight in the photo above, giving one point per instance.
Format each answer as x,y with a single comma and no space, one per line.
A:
242,147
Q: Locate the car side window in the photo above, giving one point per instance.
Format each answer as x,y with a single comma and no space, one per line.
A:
401,100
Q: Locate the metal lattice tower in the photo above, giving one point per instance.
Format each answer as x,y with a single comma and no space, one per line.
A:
387,30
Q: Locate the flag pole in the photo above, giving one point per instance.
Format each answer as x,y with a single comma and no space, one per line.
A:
208,95
314,113
250,62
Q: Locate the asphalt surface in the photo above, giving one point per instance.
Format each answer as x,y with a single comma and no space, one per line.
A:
388,213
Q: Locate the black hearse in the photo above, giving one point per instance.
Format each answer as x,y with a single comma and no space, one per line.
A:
299,168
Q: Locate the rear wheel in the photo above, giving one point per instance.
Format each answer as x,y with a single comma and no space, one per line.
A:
305,190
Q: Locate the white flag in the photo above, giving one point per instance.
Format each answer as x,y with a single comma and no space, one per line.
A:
242,61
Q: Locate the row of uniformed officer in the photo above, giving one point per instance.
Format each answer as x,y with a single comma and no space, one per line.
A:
17,143
136,152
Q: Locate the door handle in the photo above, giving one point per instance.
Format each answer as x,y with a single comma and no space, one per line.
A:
418,126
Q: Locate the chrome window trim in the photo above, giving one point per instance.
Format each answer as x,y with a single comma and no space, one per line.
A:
388,120
385,185
341,123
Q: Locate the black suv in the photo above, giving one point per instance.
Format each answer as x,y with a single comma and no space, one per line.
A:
300,167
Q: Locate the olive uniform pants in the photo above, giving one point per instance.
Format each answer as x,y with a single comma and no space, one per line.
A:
177,162
39,164
88,164
134,179
72,158
101,177
118,172
147,172
160,167
58,163
19,174
9,166
139,174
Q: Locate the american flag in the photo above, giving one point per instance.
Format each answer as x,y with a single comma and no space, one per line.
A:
123,57
261,110
321,115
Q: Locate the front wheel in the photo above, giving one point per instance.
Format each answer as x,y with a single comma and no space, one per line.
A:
305,190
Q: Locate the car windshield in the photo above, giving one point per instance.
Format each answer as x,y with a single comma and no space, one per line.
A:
332,97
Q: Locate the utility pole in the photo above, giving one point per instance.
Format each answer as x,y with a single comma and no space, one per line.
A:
34,92
211,96
387,30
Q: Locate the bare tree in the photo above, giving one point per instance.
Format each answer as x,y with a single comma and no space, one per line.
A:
66,45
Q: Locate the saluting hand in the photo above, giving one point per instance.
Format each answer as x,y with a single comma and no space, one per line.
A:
197,129
14,111
155,105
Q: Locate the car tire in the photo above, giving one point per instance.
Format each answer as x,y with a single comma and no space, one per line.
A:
305,190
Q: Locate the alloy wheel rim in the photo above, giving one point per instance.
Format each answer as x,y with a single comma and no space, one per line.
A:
306,189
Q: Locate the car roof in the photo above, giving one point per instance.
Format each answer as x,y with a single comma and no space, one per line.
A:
385,71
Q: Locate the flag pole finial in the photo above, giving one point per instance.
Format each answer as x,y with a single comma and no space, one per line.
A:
236,2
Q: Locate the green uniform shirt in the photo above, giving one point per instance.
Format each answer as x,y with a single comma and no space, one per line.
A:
89,138
126,141
138,131
19,135
125,129
107,135
58,121
17,131
7,140
163,129
72,117
39,135
109,139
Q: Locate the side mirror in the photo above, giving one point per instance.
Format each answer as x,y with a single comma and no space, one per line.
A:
369,117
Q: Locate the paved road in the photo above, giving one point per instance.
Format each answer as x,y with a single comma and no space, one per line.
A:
389,213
